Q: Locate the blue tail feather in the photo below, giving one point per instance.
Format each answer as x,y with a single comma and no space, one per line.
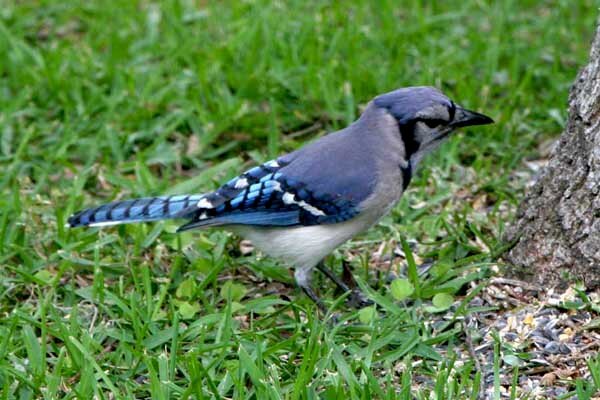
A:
135,210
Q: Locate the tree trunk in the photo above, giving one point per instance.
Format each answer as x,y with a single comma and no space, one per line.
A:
557,231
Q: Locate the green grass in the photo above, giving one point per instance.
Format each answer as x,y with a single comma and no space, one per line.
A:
105,100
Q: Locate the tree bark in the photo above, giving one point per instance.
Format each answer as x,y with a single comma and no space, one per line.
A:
557,231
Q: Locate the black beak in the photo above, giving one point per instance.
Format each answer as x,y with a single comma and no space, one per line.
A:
463,117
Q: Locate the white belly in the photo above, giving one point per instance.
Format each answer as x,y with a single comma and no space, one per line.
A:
303,246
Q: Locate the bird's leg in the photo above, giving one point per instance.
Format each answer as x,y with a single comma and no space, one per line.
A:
302,276
347,275
329,273
357,299
346,284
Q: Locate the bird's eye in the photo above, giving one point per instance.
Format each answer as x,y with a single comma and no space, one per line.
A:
434,123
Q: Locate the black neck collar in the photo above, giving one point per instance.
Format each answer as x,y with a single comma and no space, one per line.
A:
407,172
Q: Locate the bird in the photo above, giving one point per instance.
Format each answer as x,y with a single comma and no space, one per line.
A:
301,206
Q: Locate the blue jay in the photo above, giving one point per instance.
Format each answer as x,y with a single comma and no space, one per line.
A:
302,205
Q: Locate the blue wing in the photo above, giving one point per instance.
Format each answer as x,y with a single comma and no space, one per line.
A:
267,196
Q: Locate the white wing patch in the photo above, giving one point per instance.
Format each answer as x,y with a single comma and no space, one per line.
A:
277,186
241,183
288,198
205,203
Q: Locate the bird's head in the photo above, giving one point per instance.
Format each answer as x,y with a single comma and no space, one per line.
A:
426,117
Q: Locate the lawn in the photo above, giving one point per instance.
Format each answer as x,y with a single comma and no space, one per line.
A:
111,100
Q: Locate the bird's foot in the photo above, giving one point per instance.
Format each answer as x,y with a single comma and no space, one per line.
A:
357,299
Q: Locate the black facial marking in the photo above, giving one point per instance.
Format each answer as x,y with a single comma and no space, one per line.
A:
407,131
452,110
433,122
